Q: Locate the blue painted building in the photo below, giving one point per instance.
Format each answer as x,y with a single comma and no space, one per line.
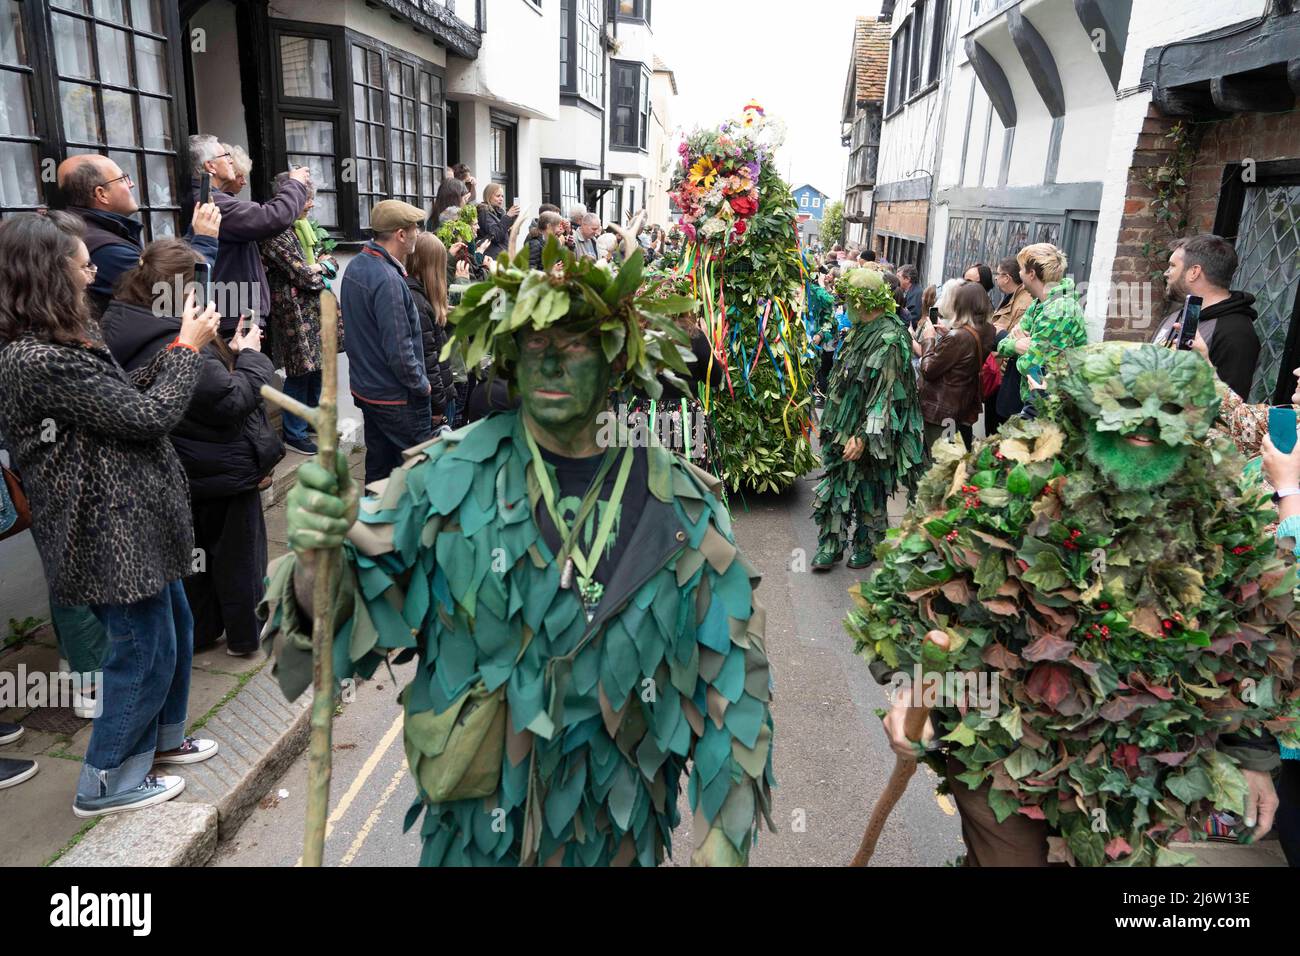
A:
811,203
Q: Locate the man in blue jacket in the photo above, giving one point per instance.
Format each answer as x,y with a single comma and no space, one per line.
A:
385,353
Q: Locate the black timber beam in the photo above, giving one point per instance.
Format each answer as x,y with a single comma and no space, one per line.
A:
1240,49
433,18
1038,60
1260,91
994,81
1107,21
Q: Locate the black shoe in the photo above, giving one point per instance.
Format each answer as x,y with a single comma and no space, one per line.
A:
9,733
303,446
14,772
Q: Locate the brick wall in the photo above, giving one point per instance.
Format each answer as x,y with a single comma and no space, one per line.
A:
1258,136
905,218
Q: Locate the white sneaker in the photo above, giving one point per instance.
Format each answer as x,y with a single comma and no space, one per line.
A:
86,705
193,750
154,790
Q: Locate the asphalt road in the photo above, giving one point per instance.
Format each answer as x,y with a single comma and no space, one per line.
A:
831,756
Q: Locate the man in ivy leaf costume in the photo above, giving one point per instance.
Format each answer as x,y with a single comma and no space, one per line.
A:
583,622
872,432
1105,563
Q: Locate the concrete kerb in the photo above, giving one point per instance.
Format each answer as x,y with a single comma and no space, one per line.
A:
259,736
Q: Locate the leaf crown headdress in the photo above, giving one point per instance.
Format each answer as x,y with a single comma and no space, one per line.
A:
634,319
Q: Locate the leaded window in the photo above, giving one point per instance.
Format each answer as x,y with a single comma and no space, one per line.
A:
113,70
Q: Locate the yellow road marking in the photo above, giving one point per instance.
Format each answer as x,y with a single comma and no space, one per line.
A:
945,804
366,770
364,832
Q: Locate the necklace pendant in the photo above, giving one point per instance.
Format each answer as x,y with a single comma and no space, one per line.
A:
591,592
566,576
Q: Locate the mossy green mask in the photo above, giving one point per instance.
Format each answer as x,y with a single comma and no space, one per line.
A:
1143,408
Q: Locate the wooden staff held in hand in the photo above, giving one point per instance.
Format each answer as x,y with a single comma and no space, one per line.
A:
906,726
328,562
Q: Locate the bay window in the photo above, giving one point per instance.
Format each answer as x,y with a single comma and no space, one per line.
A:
630,106
366,118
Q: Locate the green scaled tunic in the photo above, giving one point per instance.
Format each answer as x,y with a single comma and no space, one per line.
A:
872,395
448,565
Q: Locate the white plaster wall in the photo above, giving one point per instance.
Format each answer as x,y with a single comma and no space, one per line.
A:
518,65
1089,97
530,169
663,147
938,243
1151,24
23,591
1155,23
576,134
1129,113
220,106
372,22
958,93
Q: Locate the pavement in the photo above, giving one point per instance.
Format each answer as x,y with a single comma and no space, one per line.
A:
232,700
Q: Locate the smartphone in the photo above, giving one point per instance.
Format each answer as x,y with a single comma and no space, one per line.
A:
934,314
205,188
246,321
203,277
1282,428
1189,321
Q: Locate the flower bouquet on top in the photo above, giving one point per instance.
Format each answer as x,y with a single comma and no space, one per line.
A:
716,185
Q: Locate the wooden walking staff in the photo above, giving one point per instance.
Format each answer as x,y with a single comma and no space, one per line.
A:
904,767
325,419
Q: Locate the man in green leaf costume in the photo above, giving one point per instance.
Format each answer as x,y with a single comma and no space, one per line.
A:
1121,630
583,622
872,433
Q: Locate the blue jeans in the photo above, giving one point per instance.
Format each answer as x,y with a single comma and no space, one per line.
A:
146,690
305,388
390,430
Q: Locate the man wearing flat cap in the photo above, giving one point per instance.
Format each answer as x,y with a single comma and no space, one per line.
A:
385,351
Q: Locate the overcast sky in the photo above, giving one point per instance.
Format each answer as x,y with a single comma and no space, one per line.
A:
793,57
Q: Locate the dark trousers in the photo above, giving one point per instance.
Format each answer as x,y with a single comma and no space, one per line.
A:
992,420
824,371
390,430
230,534
934,432
1016,841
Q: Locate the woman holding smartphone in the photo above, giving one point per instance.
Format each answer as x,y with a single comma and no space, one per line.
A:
110,510
225,443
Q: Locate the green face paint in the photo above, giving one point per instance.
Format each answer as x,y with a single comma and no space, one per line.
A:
563,378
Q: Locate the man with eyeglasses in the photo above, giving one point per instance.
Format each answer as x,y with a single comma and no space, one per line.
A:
96,190
238,275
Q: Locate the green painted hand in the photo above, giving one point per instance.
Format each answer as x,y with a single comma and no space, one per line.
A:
321,507
716,850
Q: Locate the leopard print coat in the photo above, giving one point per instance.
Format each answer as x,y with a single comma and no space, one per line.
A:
110,501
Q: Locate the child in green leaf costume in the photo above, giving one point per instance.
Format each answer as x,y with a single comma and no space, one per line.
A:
872,432
583,622
1121,626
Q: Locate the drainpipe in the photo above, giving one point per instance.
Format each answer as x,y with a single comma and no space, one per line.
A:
604,98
